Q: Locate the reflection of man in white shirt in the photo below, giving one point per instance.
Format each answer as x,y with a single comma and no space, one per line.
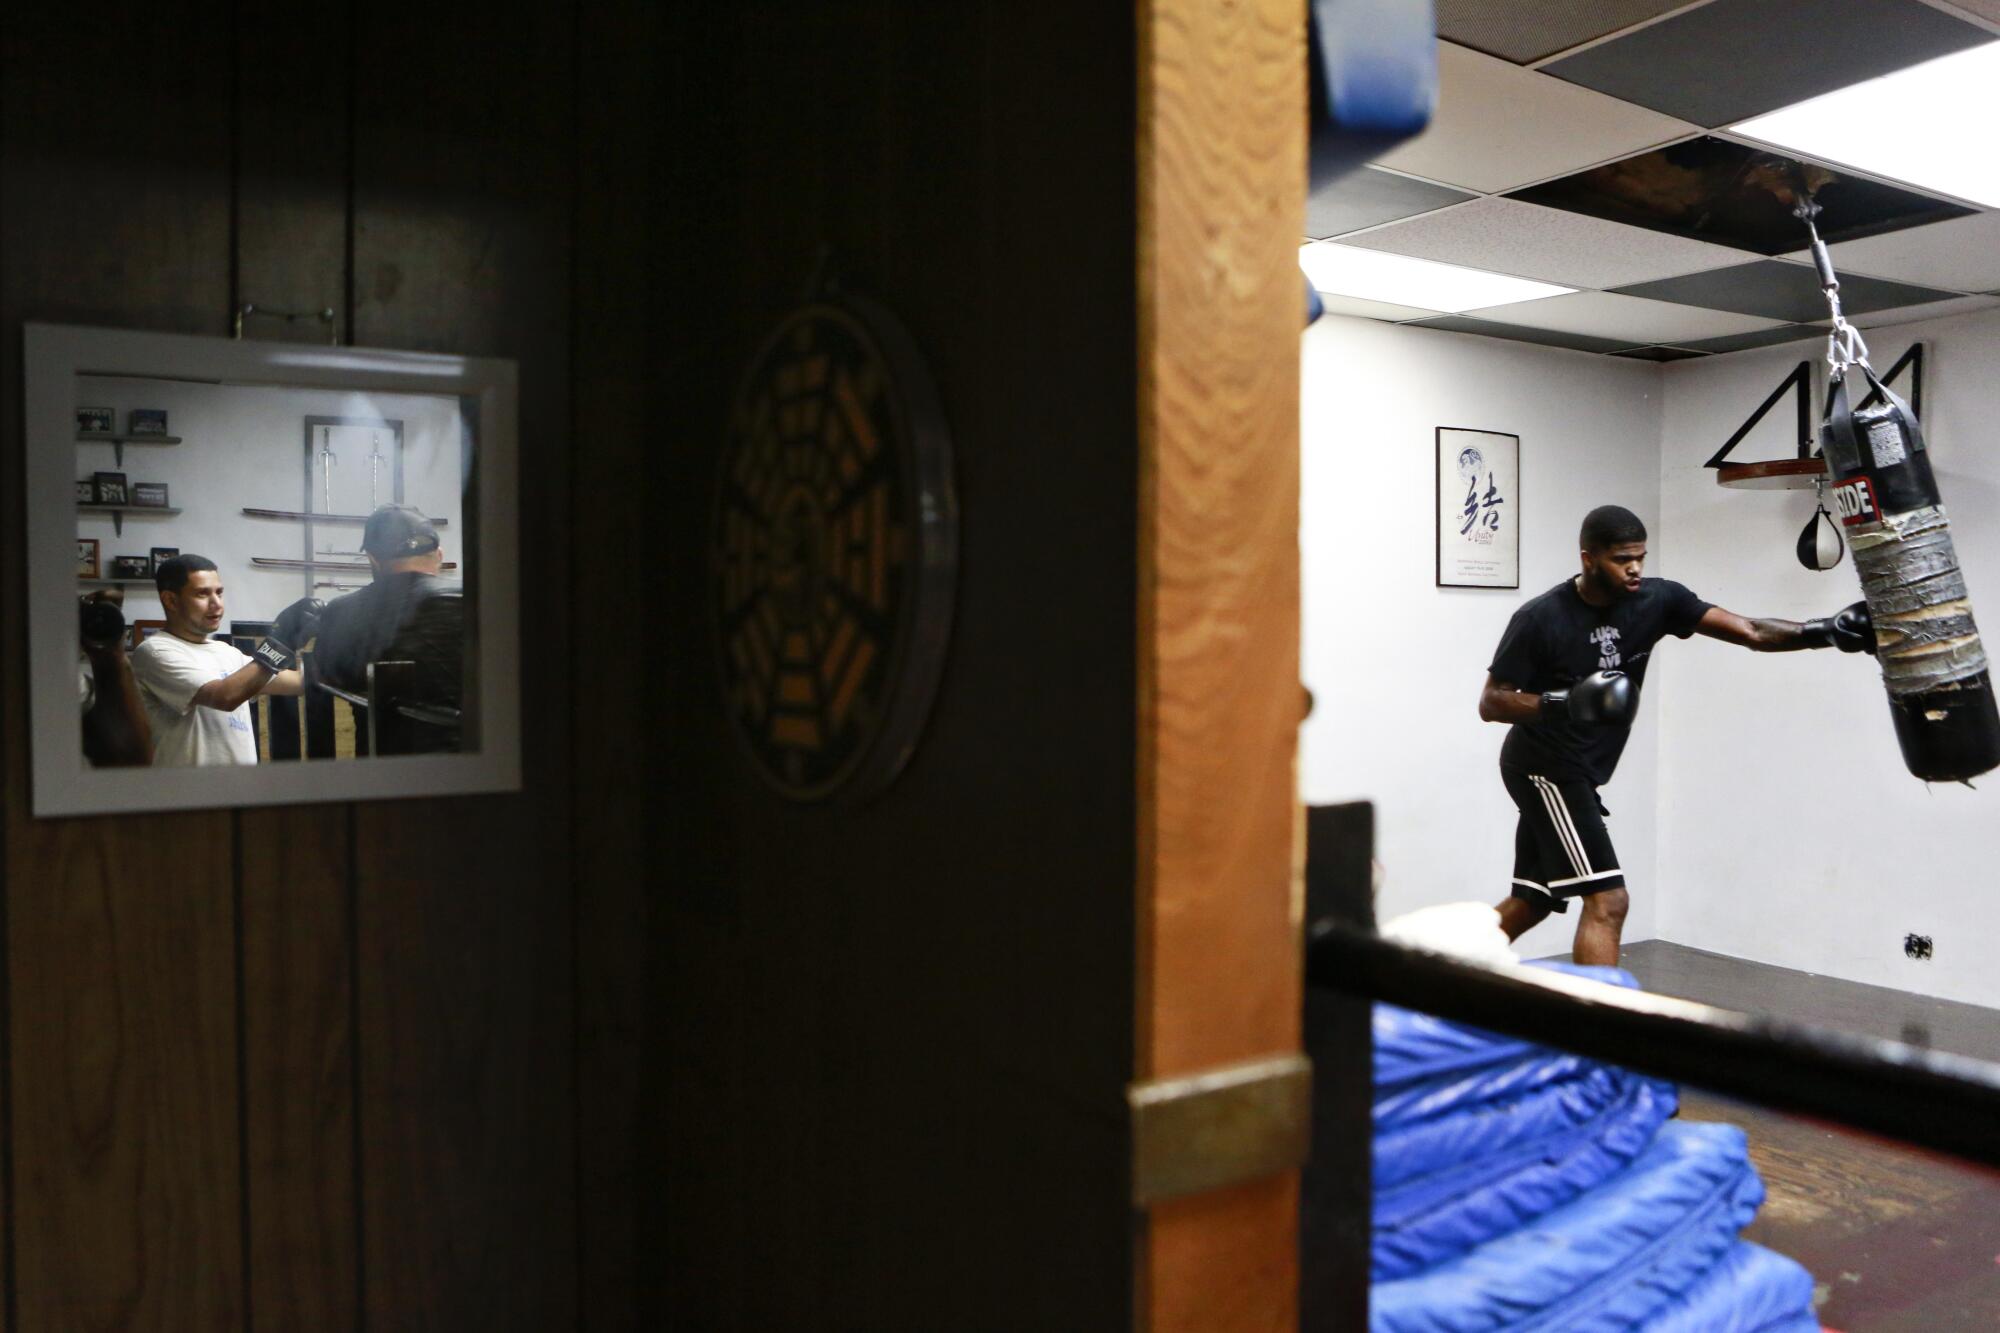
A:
198,690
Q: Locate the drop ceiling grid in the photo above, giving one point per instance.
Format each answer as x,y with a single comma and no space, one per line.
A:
1961,254
1524,31
1498,126
1730,59
1985,13
1936,265
1634,320
1546,244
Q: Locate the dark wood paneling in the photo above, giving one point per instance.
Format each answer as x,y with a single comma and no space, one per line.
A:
621,428
298,1069
125,1208
117,202
126,1196
187,1144
293,90
462,243
888,1044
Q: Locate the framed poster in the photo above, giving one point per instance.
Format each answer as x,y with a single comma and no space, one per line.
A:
1478,509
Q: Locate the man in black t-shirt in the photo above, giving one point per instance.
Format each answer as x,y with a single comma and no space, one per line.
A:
1567,675
408,614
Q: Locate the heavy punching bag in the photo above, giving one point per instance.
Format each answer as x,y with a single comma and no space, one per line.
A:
1933,664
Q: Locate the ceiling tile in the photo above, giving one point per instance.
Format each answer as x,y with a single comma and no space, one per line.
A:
1718,190
1742,342
1630,319
1774,289
1498,126
1732,59
1368,197
1524,30
1551,244
1957,305
1516,333
1659,354
1362,308
1986,9
1961,254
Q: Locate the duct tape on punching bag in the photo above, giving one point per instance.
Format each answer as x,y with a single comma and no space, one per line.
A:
1933,664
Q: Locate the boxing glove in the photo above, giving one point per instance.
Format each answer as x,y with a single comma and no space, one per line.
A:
298,622
100,625
274,655
1602,699
1851,629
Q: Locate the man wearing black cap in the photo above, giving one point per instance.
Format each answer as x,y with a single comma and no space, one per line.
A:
1567,676
408,614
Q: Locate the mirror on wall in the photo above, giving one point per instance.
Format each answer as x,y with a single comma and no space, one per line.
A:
265,573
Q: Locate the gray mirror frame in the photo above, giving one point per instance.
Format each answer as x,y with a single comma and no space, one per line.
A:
64,784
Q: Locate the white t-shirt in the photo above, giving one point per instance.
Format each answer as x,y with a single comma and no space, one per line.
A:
170,670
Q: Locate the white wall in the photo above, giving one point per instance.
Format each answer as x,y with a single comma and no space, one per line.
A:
1790,831
244,447
1394,662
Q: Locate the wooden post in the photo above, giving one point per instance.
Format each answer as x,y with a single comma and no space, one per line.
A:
1221,175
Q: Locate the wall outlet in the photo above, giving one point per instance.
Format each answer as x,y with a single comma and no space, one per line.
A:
1917,947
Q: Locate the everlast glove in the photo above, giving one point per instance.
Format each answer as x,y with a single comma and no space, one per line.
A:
274,655
1851,629
1603,699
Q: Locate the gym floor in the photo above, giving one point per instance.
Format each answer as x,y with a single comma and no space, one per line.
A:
1897,1239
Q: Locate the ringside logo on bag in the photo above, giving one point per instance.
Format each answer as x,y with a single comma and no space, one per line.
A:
1855,499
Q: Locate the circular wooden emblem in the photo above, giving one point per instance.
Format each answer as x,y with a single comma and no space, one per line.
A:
836,551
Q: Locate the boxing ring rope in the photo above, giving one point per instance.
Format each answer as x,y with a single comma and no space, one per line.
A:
1947,1103
1933,1100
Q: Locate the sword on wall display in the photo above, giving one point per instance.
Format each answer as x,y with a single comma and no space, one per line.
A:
300,515
327,462
353,566
375,461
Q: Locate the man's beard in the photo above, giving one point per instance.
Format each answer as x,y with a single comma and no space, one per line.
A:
1608,584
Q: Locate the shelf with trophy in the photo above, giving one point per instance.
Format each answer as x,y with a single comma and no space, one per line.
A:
143,425
94,570
108,493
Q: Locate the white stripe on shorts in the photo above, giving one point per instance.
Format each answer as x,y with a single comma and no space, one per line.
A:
1565,826
1583,879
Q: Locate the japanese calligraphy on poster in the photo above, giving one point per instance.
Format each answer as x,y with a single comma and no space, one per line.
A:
1478,509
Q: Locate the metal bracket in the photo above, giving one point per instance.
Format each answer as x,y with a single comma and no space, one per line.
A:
1193,1133
1800,380
324,316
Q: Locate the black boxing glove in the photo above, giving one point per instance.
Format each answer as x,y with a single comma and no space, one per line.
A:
100,625
1851,629
1603,699
273,655
298,622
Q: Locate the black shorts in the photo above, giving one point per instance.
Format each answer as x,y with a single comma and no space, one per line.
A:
1561,848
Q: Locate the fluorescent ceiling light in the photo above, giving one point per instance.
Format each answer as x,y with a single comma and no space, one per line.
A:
1376,275
1925,125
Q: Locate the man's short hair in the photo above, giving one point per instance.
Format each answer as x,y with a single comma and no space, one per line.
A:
172,575
1611,525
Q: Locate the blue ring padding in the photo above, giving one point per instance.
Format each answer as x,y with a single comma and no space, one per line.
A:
1750,1290
1611,1259
1499,1168
1410,1046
